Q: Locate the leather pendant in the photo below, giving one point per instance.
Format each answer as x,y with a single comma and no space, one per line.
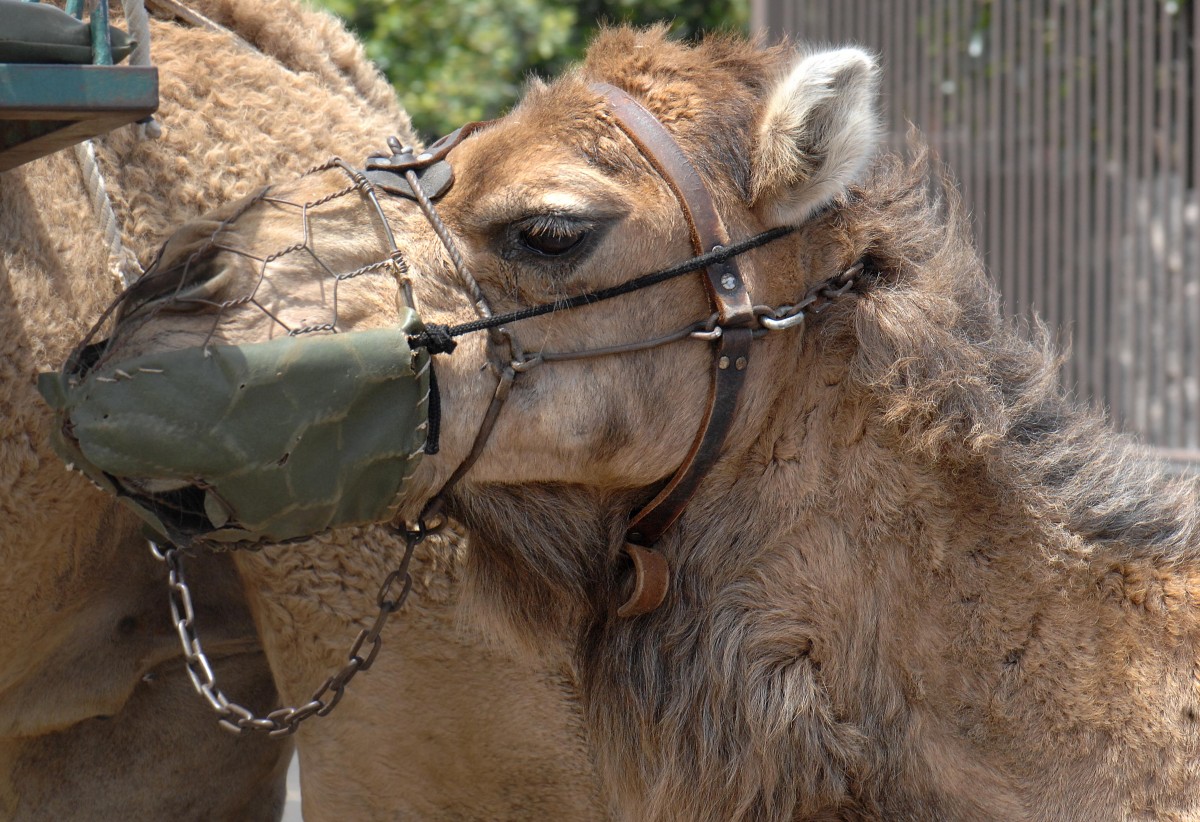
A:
651,578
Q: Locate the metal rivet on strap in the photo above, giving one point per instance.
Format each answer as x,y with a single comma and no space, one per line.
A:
740,363
723,363
729,282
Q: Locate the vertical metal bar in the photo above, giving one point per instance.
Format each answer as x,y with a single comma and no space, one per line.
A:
1057,248
75,9
887,52
1151,262
101,47
1075,284
904,51
875,20
1041,287
1026,150
1135,407
899,71
1192,326
1161,211
1084,171
1143,265
1022,158
997,60
760,16
1006,123
1095,368
1175,174
955,120
982,131
901,40
935,61
930,81
1120,287
866,21
904,46
916,65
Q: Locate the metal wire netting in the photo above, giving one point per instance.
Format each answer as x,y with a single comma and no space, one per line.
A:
184,280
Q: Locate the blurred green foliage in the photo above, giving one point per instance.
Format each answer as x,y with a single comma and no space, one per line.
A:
458,60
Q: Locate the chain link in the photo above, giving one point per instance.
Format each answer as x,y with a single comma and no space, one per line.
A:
282,721
816,300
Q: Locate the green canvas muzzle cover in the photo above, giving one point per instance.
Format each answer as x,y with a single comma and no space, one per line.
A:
266,441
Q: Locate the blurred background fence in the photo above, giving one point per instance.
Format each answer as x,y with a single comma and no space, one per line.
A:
1073,129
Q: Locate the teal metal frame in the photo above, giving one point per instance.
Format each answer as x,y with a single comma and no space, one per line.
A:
47,107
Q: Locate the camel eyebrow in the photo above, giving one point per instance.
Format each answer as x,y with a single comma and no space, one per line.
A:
575,202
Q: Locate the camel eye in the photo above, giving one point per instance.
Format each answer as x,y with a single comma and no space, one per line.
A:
551,236
550,244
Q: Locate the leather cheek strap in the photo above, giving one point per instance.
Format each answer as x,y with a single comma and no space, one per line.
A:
727,292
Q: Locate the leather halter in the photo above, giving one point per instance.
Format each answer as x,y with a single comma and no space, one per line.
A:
426,176
727,292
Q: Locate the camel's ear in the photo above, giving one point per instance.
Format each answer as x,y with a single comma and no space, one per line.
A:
819,129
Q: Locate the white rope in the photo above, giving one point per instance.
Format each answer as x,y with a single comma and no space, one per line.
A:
138,22
122,263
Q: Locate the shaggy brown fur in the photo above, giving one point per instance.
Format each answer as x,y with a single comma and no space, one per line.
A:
919,584
82,603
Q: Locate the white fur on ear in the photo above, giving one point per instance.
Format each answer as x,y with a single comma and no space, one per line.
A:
819,129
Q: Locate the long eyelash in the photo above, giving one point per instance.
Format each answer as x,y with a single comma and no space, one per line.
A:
553,225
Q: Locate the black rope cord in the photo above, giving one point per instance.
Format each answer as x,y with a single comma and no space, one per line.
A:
433,436
439,339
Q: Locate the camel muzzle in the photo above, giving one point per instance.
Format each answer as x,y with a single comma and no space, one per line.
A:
241,443
266,441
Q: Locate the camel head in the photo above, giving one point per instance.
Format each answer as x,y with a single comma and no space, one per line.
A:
558,198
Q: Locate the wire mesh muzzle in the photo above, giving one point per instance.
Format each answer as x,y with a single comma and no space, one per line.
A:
212,434
225,270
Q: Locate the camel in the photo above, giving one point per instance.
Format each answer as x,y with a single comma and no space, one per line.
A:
917,581
96,710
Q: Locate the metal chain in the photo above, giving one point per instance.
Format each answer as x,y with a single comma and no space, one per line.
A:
816,300
282,721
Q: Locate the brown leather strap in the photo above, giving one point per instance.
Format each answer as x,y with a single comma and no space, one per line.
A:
725,286
729,365
728,293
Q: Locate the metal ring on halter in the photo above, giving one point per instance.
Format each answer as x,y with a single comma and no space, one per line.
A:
782,323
